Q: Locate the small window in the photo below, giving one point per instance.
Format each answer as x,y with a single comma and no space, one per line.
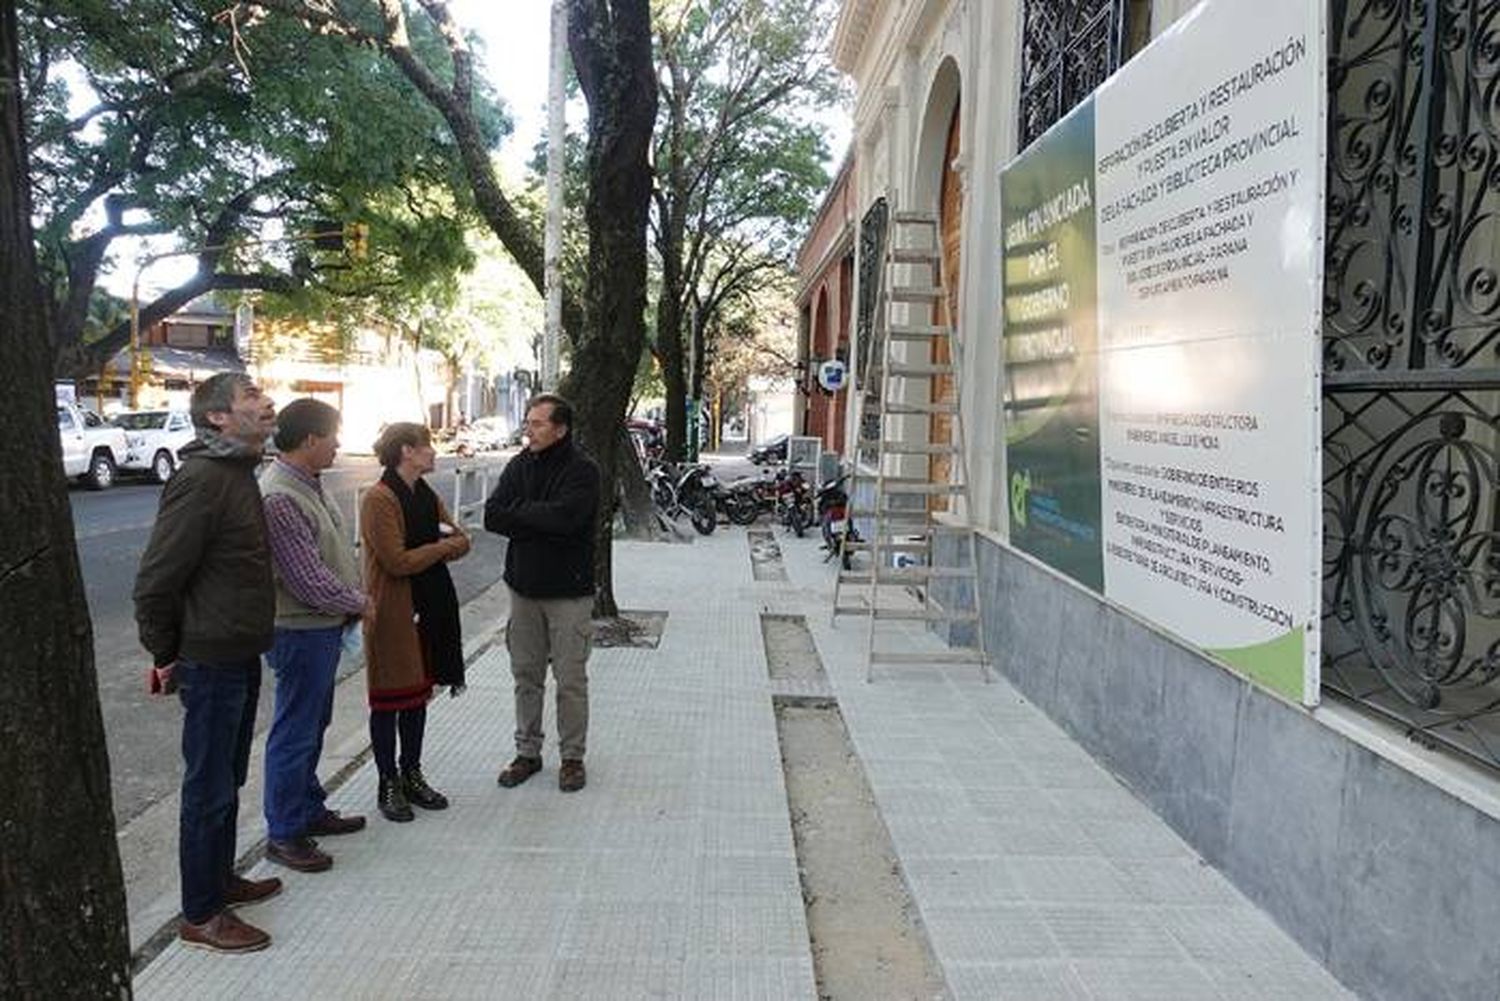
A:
177,422
65,420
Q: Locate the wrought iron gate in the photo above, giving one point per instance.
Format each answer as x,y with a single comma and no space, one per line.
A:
1411,596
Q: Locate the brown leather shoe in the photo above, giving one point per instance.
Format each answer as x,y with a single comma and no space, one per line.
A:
223,933
571,776
519,770
332,823
298,853
242,892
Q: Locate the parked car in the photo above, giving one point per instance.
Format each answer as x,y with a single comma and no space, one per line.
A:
91,449
153,439
772,451
487,434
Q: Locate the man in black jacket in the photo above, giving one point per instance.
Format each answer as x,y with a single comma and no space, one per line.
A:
206,604
546,503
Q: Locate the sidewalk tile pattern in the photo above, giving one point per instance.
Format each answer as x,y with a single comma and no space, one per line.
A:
1035,875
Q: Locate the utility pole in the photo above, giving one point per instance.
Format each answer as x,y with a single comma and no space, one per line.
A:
693,402
552,243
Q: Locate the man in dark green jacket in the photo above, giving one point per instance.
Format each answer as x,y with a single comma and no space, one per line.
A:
205,604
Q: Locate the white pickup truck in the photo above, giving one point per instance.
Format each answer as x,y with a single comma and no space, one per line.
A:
91,449
154,438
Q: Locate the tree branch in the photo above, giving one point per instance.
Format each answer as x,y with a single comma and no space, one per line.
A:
455,106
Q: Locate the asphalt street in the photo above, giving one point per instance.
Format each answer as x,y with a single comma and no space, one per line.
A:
112,528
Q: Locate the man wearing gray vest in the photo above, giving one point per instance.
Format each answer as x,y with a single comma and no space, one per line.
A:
317,597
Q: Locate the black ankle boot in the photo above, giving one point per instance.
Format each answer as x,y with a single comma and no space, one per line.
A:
392,800
419,792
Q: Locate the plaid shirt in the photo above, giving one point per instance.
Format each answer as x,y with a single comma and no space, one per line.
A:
294,552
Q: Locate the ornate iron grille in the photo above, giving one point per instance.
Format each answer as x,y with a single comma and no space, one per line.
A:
1411,589
1068,47
872,230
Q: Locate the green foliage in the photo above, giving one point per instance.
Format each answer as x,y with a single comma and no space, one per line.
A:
740,153
756,337
739,148
219,131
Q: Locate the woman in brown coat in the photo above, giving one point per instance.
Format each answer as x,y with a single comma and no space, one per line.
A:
413,641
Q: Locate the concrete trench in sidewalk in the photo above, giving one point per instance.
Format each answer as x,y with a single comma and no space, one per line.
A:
866,938
765,555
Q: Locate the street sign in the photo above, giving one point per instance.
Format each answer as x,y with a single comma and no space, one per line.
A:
832,375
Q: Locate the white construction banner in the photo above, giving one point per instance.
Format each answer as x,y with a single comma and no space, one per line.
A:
1163,287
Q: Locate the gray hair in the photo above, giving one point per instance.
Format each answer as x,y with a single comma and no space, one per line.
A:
216,395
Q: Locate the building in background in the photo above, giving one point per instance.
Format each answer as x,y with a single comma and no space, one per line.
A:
177,353
771,408
373,376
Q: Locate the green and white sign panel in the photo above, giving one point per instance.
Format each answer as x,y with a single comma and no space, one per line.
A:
1163,286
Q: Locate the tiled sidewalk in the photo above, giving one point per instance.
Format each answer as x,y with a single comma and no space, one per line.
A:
673,874
1038,876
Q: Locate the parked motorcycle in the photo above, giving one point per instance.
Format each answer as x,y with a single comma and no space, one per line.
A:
736,503
696,489
678,490
794,503
833,516
743,500
662,478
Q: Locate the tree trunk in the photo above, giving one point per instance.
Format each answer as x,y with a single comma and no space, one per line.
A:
673,365
610,41
62,898
632,491
451,403
700,357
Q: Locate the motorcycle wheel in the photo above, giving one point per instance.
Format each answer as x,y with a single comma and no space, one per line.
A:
741,509
705,516
661,495
797,519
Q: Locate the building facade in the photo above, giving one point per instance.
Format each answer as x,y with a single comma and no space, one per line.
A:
176,354
1345,831
372,376
825,272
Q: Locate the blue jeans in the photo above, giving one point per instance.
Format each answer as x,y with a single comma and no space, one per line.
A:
218,724
305,662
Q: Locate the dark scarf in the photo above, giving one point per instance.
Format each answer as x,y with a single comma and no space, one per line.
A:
433,597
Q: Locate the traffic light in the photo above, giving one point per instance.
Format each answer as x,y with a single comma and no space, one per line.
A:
352,238
357,240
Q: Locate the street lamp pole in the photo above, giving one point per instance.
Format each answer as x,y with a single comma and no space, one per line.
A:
552,243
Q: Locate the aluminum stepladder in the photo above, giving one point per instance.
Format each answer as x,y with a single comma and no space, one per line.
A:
902,571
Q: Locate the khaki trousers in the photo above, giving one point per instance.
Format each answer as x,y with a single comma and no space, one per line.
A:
559,630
